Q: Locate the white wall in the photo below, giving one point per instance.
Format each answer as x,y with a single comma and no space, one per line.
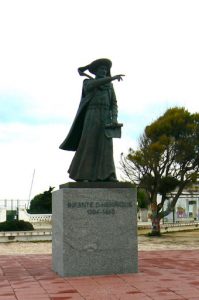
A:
33,218
2,214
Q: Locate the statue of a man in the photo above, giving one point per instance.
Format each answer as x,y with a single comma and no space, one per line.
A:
94,126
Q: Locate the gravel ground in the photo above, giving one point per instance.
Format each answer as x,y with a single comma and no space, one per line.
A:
183,240
171,241
25,248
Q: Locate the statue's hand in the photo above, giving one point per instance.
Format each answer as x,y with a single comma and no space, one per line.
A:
118,77
81,73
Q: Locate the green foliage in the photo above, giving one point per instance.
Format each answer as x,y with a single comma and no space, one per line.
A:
142,198
16,226
174,123
167,185
42,203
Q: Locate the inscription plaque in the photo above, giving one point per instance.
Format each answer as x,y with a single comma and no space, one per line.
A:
96,207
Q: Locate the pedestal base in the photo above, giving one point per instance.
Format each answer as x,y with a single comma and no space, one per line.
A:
94,231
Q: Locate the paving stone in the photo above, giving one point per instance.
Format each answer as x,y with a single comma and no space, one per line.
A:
8,297
175,280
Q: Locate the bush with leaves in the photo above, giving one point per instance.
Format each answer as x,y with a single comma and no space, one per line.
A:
16,225
142,199
42,203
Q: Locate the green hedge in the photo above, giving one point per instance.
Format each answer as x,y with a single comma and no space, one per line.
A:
16,226
42,203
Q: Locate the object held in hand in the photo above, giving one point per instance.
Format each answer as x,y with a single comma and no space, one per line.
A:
113,130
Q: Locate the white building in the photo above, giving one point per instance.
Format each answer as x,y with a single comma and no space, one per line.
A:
187,207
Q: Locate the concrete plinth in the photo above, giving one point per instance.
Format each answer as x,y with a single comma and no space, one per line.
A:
94,230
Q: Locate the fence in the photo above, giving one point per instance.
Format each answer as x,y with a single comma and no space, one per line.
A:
38,220
33,218
11,204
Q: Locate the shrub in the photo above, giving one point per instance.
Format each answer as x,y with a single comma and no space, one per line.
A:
16,226
42,203
142,198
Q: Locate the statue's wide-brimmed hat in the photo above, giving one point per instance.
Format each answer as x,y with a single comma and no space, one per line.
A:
99,62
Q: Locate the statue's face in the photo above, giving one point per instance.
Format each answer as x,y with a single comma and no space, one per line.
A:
101,71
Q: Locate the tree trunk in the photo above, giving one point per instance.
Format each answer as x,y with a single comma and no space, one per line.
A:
155,225
155,220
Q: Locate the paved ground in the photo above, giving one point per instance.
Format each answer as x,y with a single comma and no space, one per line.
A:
163,274
171,241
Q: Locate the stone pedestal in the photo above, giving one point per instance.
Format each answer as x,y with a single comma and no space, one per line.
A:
94,229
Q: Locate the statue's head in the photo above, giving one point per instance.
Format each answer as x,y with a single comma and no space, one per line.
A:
94,66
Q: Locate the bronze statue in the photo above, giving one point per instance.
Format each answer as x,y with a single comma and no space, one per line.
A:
94,126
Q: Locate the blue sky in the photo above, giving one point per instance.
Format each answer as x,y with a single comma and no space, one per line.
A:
17,109
43,42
